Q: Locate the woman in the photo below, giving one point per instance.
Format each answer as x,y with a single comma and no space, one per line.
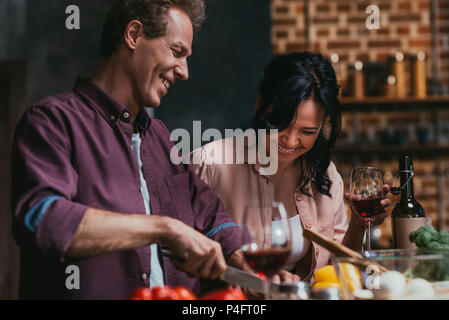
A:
298,96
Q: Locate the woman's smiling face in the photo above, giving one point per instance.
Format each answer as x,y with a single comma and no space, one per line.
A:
302,133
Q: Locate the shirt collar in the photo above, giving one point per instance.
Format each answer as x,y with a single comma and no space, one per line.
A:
142,122
110,108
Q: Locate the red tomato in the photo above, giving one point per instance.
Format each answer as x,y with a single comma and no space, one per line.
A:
185,294
141,294
164,293
225,294
262,276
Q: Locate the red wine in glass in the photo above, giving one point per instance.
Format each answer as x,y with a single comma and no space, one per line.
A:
268,261
266,239
367,207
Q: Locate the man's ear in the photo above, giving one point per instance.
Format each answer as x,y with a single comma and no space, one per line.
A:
133,32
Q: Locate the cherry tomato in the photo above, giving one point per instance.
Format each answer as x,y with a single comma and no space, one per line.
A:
184,293
225,294
141,294
262,276
164,293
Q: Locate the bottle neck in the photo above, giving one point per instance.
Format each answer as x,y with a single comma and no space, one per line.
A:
407,191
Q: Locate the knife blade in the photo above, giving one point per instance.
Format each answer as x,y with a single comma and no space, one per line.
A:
236,276
244,279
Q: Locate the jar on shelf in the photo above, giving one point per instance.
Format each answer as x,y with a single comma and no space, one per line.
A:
340,72
356,81
424,131
418,75
398,70
443,133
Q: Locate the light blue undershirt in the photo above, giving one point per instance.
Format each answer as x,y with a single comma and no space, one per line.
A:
157,275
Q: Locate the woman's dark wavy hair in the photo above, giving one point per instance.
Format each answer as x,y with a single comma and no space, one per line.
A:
288,80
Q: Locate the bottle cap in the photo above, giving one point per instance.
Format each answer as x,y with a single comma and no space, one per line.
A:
399,56
405,163
335,58
421,56
358,65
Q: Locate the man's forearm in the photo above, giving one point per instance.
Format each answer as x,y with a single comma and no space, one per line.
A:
104,232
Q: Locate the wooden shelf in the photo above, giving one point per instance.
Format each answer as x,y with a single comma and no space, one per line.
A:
393,151
359,150
377,103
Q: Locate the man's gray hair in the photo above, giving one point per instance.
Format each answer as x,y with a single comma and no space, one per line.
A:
153,16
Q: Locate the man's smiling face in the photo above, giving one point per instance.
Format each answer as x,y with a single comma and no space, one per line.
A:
157,63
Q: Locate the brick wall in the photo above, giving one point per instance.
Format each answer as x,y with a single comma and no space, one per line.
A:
338,26
443,40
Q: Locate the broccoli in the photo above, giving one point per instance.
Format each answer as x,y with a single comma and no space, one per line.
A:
428,238
433,270
443,238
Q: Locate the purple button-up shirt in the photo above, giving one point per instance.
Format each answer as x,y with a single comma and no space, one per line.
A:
73,151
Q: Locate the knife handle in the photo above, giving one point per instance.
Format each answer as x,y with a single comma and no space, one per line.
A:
167,253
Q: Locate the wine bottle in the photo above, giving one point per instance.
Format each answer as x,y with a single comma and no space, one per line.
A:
408,215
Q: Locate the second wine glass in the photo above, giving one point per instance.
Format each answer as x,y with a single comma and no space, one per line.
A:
266,239
366,193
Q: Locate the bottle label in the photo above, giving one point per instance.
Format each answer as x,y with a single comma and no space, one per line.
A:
402,227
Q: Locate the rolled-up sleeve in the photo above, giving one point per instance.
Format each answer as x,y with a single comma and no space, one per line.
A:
44,182
217,224
211,218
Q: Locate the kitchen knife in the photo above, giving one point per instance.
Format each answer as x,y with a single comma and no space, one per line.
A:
236,276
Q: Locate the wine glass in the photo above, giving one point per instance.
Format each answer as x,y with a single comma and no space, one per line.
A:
366,193
266,240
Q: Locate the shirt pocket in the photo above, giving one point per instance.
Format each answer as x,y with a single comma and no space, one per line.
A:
179,190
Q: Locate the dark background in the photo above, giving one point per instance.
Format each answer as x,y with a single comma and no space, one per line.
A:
40,57
227,62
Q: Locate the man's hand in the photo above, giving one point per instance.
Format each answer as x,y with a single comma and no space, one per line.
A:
237,260
380,215
197,255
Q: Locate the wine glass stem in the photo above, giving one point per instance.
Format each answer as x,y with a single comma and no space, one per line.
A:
368,235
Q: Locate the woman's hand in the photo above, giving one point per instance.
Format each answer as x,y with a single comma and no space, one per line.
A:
380,215
280,277
284,276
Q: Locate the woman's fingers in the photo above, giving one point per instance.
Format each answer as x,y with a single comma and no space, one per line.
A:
287,277
379,219
276,279
385,203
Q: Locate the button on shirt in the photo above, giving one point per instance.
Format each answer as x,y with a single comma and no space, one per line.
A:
71,152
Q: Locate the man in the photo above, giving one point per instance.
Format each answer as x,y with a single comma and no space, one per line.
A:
93,185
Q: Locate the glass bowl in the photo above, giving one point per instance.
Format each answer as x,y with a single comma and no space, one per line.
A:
405,266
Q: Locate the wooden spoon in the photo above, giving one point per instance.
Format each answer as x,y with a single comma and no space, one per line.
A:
340,250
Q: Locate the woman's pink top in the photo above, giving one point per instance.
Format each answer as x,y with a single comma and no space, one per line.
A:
240,184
